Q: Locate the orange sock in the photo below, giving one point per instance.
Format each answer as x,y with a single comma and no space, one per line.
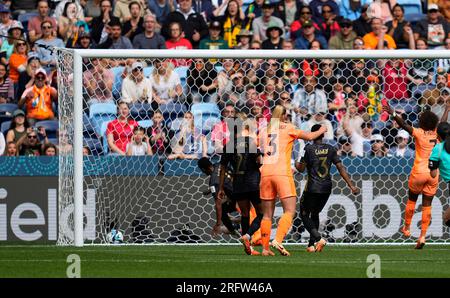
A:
284,224
409,212
426,219
266,227
252,214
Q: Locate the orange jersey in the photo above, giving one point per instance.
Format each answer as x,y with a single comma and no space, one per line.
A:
424,141
277,148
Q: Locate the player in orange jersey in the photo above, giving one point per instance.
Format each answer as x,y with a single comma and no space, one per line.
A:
276,142
420,180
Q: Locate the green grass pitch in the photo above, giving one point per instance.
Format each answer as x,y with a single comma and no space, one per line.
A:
209,261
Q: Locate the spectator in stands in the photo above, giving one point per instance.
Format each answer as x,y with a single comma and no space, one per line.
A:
293,84
11,149
396,27
434,28
444,5
345,147
358,43
441,103
431,95
6,86
59,9
421,71
166,82
67,21
15,32
401,149
115,40
121,10
360,138
50,150
139,144
136,87
18,63
305,15
98,82
444,64
362,24
375,39
39,98
272,88
220,135
81,28
149,39
45,46
86,151
318,5
274,39
378,147
193,24
159,135
344,39
327,76
135,25
119,131
351,9
351,117
337,106
309,97
84,41
214,41
319,118
161,9
224,77
26,77
253,11
189,142
265,21
99,24
34,24
231,22
287,10
178,42
29,144
6,21
21,6
381,9
202,81
308,35
237,93
328,23
243,39
18,127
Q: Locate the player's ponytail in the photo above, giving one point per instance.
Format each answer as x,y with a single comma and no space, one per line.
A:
278,112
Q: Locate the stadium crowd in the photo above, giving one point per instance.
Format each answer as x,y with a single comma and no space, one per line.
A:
169,98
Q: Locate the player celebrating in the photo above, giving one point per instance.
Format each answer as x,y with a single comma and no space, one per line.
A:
318,158
222,208
277,178
420,181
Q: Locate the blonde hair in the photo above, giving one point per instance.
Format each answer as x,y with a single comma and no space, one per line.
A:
169,70
278,112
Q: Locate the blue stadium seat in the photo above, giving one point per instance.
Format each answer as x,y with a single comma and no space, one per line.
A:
104,138
411,6
145,123
5,118
8,108
176,124
172,111
148,71
141,111
88,128
206,115
54,141
100,113
5,127
182,73
95,145
117,85
51,127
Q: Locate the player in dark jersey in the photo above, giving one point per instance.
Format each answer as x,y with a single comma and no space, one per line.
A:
222,207
244,158
317,159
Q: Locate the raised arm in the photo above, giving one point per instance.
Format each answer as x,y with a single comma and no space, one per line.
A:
346,178
398,119
445,115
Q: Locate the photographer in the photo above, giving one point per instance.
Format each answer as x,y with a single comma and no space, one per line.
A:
30,144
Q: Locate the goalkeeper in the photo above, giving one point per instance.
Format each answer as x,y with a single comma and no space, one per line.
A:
222,207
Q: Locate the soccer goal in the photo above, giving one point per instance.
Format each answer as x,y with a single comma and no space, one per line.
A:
164,198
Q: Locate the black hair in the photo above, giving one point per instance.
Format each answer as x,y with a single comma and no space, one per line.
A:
64,13
134,3
428,120
115,22
204,163
316,127
397,5
139,128
443,131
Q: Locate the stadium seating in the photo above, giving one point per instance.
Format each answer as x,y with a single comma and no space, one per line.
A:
141,111
104,137
117,85
206,115
51,127
148,71
172,110
176,124
95,145
5,127
88,129
145,123
100,113
182,73
8,108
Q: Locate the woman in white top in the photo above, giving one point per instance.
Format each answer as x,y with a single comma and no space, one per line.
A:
165,82
140,143
136,87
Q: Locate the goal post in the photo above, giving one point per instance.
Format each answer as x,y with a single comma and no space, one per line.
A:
100,203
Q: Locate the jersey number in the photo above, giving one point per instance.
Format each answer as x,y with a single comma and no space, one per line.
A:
323,168
272,144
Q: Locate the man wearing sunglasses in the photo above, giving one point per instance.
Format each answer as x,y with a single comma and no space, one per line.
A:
434,28
344,39
38,99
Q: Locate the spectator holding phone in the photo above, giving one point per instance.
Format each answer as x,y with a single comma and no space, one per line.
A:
140,143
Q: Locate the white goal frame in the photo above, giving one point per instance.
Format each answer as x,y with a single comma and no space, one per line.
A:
79,54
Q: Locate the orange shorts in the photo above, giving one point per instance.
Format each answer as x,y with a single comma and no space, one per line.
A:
273,186
423,184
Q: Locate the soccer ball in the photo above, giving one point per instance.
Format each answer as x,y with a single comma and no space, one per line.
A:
115,237
446,217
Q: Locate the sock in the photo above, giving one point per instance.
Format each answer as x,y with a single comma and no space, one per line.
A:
266,227
245,223
316,223
284,224
409,212
256,223
310,227
426,219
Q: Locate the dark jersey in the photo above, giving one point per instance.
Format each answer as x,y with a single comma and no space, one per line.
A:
243,160
318,159
214,181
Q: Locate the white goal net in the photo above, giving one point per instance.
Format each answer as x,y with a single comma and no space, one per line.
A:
180,98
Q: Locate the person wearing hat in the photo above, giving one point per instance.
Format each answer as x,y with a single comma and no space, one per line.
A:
343,40
308,36
115,40
401,149
243,38
34,24
15,32
214,41
274,39
317,7
136,87
5,20
26,77
378,147
433,28
266,20
38,98
18,128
